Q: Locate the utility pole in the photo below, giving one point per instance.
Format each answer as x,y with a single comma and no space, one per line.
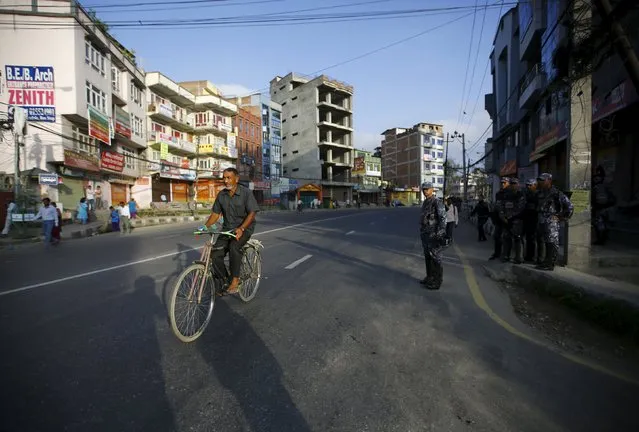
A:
464,173
446,170
19,123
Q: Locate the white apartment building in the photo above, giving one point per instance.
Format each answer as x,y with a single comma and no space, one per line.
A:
85,98
191,140
317,134
412,156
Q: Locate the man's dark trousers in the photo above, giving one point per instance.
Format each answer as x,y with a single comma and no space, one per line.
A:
234,248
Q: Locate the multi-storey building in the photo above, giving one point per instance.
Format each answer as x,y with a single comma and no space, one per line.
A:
85,98
271,116
317,134
411,156
248,127
367,173
191,140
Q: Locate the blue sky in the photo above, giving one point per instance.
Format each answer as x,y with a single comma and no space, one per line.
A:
417,80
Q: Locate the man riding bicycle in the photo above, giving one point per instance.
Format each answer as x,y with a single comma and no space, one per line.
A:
238,206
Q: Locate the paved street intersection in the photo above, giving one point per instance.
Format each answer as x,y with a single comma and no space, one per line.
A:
341,337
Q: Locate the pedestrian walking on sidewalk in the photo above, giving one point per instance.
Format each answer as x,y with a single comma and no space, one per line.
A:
83,211
11,208
452,218
49,216
497,221
432,231
115,219
483,213
554,207
57,230
125,218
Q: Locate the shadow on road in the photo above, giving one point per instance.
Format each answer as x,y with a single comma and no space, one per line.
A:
185,257
244,365
96,365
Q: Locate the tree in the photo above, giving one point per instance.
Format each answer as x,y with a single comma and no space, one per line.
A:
377,152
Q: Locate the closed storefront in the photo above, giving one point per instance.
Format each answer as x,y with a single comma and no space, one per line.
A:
118,193
180,191
70,192
161,186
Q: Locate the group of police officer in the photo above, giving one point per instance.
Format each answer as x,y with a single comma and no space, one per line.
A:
529,220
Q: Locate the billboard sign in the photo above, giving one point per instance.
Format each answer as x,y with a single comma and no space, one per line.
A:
32,88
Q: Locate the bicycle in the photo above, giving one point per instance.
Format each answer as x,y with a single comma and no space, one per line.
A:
207,283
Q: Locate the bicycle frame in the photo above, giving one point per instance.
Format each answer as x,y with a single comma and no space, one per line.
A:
205,259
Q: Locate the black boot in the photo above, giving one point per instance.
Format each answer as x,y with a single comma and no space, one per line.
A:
438,277
518,251
508,245
551,258
428,280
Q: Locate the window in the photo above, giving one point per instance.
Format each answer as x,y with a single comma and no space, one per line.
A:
116,76
129,158
204,164
96,98
93,57
176,160
136,94
137,126
83,142
157,127
440,154
201,119
440,180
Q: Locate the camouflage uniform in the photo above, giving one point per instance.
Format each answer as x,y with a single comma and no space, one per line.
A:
497,222
511,210
530,225
433,232
553,206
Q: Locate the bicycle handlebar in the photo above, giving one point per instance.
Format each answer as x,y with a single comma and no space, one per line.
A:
211,233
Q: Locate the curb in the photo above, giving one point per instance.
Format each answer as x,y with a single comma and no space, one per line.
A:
611,305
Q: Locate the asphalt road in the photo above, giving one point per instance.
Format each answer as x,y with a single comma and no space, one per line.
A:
345,341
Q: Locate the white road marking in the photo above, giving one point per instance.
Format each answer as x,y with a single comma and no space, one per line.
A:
298,262
350,232
153,258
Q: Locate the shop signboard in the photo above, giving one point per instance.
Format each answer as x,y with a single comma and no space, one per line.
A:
85,161
32,88
112,161
99,126
122,122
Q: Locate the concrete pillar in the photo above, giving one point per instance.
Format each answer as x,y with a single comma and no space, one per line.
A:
329,155
329,135
329,98
329,173
329,117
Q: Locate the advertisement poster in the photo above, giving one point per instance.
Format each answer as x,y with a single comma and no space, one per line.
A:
359,165
122,122
32,88
99,127
112,161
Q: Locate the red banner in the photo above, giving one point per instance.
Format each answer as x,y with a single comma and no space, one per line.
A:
112,161
81,160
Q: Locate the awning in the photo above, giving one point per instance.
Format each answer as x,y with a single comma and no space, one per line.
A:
534,156
509,167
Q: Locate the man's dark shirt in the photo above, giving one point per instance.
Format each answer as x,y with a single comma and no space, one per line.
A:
235,208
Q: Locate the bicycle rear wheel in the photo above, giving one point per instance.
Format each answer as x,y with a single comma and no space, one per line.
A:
250,274
190,313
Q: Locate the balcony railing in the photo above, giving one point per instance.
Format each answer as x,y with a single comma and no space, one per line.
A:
533,73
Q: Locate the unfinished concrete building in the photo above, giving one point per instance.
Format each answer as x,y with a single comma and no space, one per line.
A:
317,134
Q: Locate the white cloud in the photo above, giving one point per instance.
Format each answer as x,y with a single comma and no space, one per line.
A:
367,141
234,90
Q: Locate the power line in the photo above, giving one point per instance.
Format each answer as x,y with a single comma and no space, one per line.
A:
470,50
472,74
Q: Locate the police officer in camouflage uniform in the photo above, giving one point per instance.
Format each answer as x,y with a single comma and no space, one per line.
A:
497,222
554,207
433,235
511,211
530,220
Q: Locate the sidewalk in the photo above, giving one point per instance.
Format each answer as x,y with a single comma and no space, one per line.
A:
76,231
609,303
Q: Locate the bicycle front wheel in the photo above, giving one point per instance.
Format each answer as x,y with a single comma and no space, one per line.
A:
250,273
192,302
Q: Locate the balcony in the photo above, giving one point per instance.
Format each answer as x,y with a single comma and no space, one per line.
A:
164,114
165,87
215,104
531,32
334,144
532,86
345,107
211,126
219,150
335,125
176,146
489,104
